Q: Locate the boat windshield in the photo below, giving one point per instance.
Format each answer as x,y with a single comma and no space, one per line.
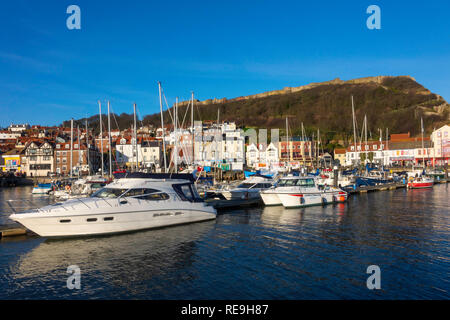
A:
246,185
307,183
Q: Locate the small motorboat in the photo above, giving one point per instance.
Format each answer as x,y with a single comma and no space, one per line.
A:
249,188
420,182
42,188
294,192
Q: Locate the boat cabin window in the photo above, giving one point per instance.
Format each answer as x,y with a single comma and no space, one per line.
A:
147,194
290,182
109,193
154,196
306,183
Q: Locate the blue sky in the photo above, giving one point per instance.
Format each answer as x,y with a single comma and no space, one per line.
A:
215,48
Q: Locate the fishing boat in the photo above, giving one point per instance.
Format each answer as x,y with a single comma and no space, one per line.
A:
42,188
249,188
293,192
130,203
420,182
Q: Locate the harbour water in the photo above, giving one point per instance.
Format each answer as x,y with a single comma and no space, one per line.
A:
253,253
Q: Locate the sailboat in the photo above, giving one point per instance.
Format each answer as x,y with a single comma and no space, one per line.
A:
420,181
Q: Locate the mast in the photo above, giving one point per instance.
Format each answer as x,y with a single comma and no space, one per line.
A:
162,127
318,146
71,146
175,154
423,150
303,145
101,134
387,145
434,151
192,128
135,137
365,130
109,142
88,149
354,129
79,150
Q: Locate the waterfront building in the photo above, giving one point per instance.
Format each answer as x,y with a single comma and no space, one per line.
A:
370,152
151,153
219,144
82,163
339,155
11,160
38,160
441,146
262,156
297,152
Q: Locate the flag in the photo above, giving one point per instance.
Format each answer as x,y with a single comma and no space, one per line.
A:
421,123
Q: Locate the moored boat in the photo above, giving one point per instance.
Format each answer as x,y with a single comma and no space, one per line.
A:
135,202
294,192
42,188
420,182
249,188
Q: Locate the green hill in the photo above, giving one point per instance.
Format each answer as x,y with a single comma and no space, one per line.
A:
396,103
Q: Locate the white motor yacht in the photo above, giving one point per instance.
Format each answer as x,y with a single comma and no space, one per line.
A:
135,202
295,191
249,188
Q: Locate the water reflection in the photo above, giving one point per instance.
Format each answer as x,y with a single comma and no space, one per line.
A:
128,262
254,253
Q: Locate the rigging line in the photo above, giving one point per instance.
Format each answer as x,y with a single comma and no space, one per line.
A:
115,120
184,118
167,105
198,112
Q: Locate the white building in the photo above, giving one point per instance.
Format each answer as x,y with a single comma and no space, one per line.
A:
38,160
146,153
18,127
441,145
4,134
372,149
219,144
262,156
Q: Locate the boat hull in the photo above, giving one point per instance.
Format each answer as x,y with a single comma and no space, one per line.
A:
40,191
108,223
419,185
297,200
270,199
